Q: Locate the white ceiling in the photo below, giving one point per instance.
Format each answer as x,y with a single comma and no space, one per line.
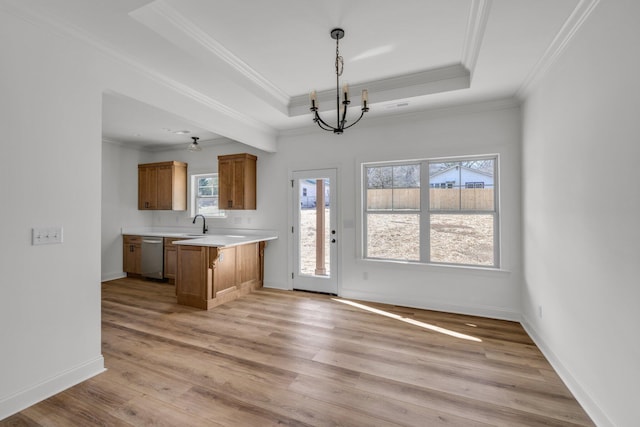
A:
259,59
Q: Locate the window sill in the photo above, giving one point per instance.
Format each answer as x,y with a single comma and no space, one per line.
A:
429,266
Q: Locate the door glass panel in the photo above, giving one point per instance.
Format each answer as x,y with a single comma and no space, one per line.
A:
314,226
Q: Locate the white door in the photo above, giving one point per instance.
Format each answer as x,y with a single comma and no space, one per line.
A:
315,239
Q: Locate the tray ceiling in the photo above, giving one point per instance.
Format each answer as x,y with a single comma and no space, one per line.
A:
258,60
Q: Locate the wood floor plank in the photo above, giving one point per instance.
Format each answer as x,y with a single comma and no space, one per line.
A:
292,358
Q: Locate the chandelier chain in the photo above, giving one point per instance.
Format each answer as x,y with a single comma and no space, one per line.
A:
339,60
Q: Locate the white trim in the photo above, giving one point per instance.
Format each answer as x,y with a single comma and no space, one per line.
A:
47,388
598,416
557,46
435,80
112,276
426,113
42,20
470,310
476,26
276,285
191,30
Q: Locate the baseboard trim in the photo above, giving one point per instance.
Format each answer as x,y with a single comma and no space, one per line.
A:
112,276
588,404
37,393
275,285
481,311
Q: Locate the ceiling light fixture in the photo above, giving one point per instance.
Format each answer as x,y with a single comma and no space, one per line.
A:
341,111
194,145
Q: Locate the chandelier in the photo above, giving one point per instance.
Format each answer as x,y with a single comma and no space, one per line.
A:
341,110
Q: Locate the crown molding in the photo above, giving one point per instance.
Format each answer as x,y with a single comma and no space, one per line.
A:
476,26
443,79
427,113
50,23
570,27
188,28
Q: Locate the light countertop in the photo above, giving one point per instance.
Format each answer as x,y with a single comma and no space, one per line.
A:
217,237
226,240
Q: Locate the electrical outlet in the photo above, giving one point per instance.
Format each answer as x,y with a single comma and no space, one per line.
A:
540,311
365,275
46,235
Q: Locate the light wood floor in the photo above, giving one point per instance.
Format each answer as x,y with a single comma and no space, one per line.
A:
276,357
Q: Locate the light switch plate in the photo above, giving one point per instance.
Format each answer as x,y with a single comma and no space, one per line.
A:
46,235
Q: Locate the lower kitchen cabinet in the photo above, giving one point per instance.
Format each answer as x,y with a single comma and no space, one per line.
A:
171,258
132,254
210,276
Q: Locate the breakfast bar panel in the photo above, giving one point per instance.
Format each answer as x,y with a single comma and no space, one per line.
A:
192,281
209,276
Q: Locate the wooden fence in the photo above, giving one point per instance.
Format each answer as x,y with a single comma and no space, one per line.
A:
480,199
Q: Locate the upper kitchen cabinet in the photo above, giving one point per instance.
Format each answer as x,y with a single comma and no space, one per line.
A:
162,186
237,181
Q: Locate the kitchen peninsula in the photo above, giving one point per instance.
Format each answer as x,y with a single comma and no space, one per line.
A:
208,269
219,268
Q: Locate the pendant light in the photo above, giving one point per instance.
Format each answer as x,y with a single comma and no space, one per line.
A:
194,145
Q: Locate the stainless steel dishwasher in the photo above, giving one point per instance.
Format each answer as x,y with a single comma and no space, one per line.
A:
152,257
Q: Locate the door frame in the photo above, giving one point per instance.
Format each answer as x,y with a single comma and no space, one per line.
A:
290,221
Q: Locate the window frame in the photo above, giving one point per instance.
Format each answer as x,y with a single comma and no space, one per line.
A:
425,212
193,195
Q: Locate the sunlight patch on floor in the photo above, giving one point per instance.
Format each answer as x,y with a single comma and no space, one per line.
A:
408,320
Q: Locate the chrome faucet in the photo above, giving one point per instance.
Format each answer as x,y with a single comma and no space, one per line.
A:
204,223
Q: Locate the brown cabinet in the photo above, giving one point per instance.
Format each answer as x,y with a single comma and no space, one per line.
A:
237,181
162,186
131,254
210,276
171,258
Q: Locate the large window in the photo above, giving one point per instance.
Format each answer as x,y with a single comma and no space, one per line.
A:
393,211
204,195
432,211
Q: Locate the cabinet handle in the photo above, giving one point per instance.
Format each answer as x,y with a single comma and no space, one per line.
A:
230,204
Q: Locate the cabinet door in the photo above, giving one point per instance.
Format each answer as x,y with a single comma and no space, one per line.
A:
170,259
237,184
164,187
225,184
237,181
192,285
147,188
131,258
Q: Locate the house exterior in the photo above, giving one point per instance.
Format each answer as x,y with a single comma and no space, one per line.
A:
460,177
308,189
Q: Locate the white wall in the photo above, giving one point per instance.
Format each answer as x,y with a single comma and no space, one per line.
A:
425,135
50,175
119,203
581,233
